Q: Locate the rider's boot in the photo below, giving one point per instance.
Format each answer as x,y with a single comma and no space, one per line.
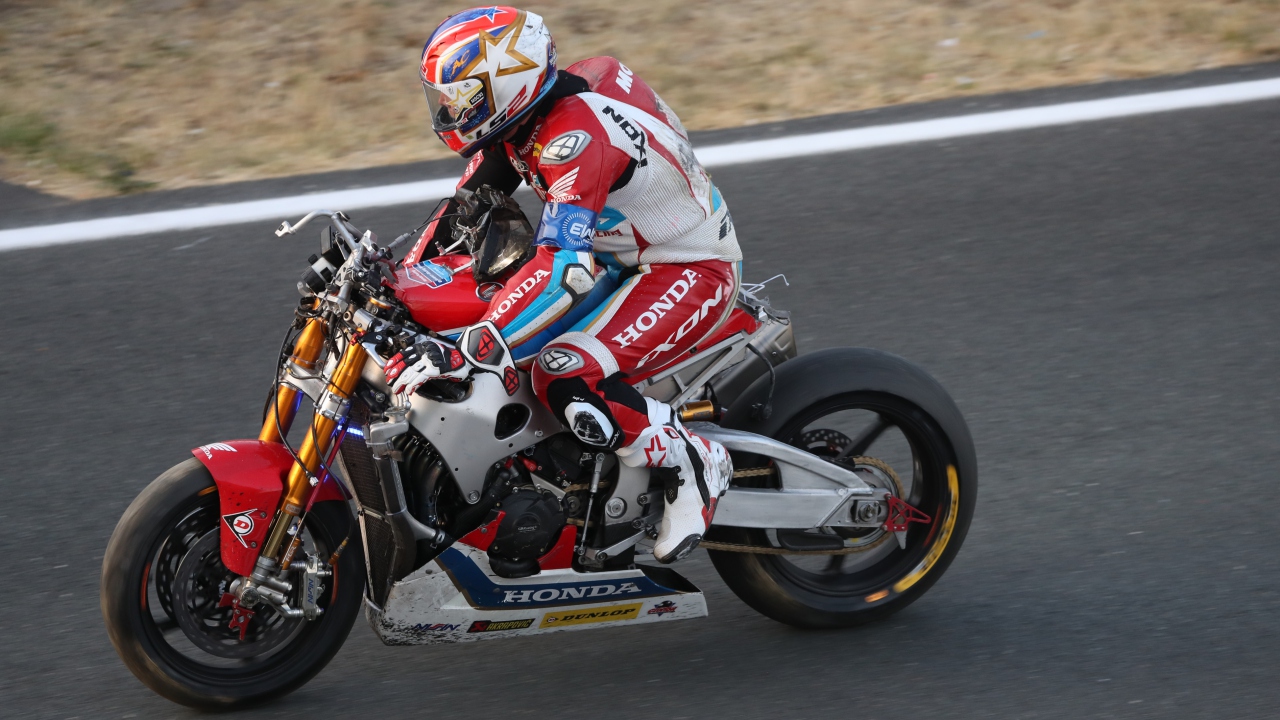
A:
703,470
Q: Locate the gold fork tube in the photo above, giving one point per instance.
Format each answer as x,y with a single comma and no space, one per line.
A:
306,351
298,486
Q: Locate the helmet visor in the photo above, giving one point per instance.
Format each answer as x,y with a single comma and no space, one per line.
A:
456,106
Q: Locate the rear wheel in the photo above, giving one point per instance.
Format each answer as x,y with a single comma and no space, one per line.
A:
907,442
163,578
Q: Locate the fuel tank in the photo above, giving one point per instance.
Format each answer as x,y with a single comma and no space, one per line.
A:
442,298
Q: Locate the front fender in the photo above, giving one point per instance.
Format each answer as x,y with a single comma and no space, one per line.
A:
250,477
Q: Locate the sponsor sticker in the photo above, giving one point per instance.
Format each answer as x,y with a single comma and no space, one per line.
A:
662,608
486,291
569,593
566,226
429,274
241,524
480,626
583,617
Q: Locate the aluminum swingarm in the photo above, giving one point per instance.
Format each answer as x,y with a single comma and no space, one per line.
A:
814,494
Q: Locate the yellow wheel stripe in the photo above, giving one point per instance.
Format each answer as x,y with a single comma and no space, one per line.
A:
935,552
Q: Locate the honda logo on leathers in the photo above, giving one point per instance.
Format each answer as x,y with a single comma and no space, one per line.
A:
649,318
518,292
684,328
568,593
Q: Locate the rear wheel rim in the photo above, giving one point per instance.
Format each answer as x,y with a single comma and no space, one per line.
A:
927,472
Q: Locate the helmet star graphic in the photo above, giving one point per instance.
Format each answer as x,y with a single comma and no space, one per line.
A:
482,69
498,55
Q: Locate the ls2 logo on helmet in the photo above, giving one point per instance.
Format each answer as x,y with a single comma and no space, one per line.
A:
241,524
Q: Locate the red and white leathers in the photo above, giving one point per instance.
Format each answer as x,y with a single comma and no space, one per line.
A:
638,262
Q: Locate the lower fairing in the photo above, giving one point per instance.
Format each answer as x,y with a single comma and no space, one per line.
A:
457,598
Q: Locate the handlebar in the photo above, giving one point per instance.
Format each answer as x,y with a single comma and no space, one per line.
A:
337,219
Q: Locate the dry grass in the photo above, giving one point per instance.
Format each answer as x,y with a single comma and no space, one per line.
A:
98,97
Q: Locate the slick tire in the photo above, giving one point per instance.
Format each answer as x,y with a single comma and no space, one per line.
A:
814,386
142,635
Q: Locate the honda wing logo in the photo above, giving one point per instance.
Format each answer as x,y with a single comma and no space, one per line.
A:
208,449
559,190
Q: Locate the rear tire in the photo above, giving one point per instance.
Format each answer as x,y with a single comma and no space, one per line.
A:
167,521
944,475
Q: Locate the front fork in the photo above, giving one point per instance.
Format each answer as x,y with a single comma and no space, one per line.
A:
330,411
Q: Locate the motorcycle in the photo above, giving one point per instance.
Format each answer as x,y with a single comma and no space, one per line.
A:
468,512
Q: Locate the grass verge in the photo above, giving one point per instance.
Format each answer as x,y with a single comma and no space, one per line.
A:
109,96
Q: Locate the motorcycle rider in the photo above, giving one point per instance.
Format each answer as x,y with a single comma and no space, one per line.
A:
636,257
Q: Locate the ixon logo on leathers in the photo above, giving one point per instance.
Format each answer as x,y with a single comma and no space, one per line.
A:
569,593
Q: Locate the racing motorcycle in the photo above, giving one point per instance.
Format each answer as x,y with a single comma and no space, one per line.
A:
467,512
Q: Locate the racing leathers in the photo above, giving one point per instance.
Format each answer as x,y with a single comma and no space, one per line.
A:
636,262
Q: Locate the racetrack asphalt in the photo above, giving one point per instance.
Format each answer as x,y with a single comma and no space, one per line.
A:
1101,300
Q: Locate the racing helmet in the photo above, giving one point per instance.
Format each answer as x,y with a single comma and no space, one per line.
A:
482,70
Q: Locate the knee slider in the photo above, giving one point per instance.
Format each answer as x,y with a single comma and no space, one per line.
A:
585,413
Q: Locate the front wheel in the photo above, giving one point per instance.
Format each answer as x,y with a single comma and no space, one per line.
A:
892,424
163,578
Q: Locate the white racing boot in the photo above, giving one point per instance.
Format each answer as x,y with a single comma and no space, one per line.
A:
703,468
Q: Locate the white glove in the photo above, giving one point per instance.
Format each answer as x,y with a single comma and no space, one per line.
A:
428,359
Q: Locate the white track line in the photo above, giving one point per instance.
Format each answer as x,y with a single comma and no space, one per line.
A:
713,156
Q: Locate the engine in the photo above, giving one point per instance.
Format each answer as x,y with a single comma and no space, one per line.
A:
532,519
531,523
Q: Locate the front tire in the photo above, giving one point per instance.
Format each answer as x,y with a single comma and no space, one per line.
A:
892,410
160,573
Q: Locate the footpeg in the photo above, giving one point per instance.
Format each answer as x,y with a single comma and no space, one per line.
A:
649,531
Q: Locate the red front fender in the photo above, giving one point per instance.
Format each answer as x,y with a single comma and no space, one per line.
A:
250,475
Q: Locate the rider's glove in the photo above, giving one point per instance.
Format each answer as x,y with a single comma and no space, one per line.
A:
408,369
